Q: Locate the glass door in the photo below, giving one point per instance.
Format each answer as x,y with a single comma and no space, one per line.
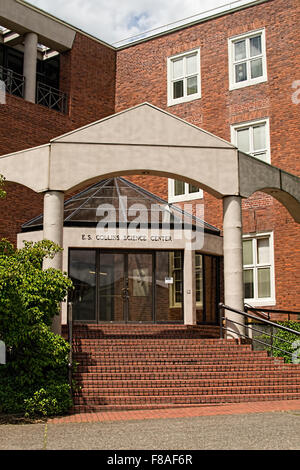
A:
139,287
112,292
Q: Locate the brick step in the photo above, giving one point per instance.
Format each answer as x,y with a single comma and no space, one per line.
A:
179,368
140,327
132,356
184,354
164,341
187,383
194,402
146,336
193,399
184,376
181,390
159,347
140,363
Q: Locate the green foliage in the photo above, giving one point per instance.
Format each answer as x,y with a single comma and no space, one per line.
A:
35,378
2,192
292,348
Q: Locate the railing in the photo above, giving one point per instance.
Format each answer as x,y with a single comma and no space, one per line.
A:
70,340
226,325
14,82
51,97
268,311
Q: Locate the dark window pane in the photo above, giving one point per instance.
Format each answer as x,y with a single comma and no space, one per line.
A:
178,89
241,72
179,188
82,271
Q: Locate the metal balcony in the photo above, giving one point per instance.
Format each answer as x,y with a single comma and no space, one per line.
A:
14,82
51,98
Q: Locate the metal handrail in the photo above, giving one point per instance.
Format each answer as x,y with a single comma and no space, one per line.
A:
70,340
258,319
269,311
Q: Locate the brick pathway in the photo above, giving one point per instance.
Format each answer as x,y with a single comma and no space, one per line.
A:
181,412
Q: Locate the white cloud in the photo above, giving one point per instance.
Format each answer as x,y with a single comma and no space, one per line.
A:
115,20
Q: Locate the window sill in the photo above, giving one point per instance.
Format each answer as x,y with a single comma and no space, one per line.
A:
186,197
184,99
260,302
237,86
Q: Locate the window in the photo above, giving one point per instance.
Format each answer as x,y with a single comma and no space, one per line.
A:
181,191
253,138
199,278
184,77
247,59
258,270
176,274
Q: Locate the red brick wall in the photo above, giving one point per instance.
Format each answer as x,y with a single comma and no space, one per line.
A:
142,76
88,77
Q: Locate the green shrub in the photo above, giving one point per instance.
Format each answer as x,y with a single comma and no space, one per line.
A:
35,378
292,348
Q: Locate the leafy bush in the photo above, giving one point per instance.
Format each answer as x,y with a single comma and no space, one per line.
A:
292,347
35,378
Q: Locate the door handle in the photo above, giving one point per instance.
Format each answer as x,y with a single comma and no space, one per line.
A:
125,293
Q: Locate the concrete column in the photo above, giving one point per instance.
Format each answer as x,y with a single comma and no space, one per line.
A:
189,286
53,230
29,67
233,261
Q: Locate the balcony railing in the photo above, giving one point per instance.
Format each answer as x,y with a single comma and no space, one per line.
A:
14,82
51,97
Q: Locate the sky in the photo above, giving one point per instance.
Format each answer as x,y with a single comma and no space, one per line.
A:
116,20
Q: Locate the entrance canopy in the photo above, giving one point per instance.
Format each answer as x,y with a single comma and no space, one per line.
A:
148,140
117,200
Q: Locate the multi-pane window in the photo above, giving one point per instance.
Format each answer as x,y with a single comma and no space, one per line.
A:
258,270
253,138
184,77
247,57
176,273
199,278
181,191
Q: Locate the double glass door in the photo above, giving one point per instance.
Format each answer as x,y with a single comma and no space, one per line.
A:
112,286
125,287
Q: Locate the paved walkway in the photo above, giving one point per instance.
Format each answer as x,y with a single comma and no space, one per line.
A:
247,426
181,412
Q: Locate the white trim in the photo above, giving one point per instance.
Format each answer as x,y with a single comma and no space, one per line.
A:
250,81
182,197
256,301
185,98
241,125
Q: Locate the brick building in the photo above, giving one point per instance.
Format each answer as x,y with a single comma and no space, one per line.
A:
200,116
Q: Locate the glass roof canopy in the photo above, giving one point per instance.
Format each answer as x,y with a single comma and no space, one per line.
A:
122,203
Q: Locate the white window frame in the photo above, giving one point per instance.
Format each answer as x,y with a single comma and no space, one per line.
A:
182,197
251,124
257,301
185,98
233,85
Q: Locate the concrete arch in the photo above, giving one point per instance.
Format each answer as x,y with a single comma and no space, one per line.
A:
255,175
148,140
